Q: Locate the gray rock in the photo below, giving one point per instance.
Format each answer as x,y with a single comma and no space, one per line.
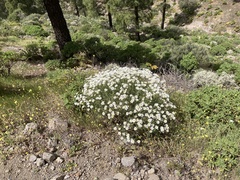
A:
59,160
29,128
49,157
120,176
40,162
52,143
128,161
58,124
58,177
52,168
151,171
153,177
32,158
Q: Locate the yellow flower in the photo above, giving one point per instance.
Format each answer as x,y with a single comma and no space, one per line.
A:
154,67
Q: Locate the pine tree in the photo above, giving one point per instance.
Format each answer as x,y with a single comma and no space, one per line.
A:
58,22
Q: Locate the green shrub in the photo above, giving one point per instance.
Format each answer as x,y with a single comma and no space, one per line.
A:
35,30
223,150
52,64
218,50
16,15
32,19
231,68
188,6
7,60
131,100
200,52
70,49
32,52
189,62
213,104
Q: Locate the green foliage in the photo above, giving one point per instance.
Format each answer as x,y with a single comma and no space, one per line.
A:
188,6
40,51
67,83
223,150
213,104
32,19
16,15
231,68
32,52
218,50
35,30
7,59
52,64
189,62
10,28
198,51
70,49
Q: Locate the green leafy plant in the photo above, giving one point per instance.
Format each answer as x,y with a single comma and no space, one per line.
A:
189,62
52,64
223,150
230,68
188,6
133,101
7,60
213,104
35,30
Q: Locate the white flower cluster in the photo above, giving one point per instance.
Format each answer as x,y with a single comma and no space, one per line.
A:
135,100
208,78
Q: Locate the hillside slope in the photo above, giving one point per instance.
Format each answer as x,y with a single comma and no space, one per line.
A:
212,16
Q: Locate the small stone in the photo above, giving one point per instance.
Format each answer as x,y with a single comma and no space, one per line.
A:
108,179
40,162
58,177
52,143
151,171
32,158
57,123
128,161
29,128
153,177
120,176
118,160
67,177
59,160
49,157
142,173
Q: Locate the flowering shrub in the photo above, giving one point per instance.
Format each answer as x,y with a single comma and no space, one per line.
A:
134,101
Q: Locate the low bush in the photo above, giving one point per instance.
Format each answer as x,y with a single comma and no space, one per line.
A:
213,105
209,78
223,150
188,6
35,30
131,100
52,65
231,68
189,62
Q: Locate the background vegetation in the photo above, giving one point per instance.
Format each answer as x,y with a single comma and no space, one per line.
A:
110,31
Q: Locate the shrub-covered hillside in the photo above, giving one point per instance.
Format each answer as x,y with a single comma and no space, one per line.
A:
131,95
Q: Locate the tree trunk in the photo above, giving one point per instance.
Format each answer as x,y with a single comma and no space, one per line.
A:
76,8
110,18
58,22
137,23
163,14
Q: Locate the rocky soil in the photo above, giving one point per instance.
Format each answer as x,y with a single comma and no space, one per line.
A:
64,151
